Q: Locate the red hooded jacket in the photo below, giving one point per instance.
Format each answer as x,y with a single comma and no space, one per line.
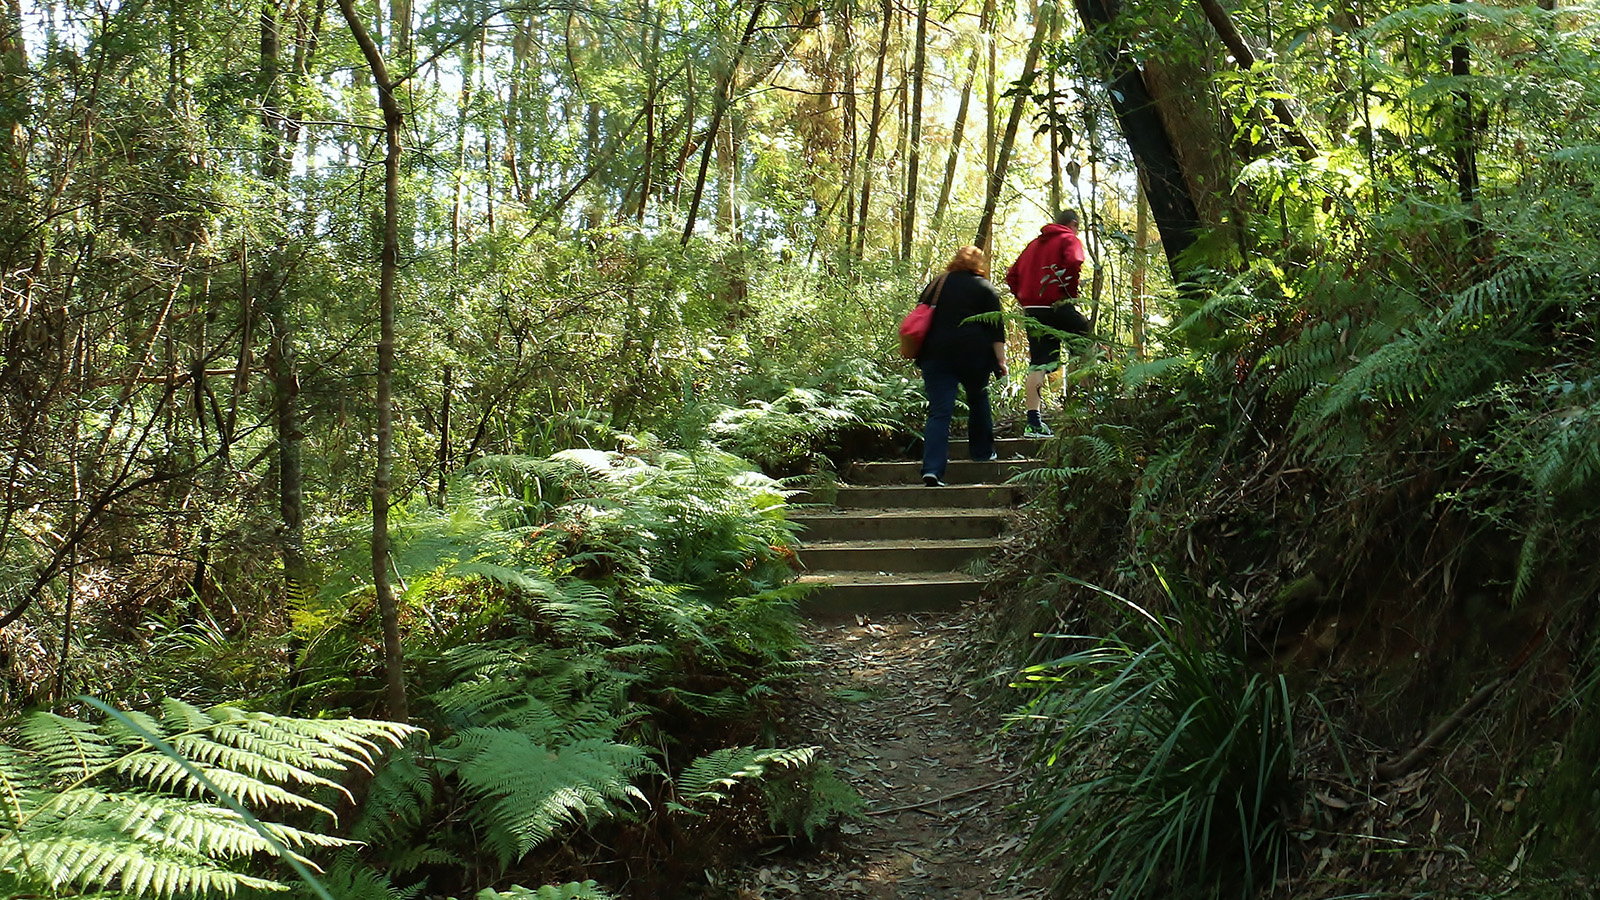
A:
1048,268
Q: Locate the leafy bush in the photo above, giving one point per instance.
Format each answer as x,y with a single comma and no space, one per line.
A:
846,408
574,623
1165,761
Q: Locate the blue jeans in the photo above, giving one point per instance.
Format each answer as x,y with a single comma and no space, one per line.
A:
941,379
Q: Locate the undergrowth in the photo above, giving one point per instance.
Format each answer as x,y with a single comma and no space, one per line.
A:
1386,485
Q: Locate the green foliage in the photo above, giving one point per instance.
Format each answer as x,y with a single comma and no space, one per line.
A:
710,778
94,807
573,890
1165,760
816,798
853,401
524,793
802,795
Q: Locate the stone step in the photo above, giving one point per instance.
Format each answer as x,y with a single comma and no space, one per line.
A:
899,524
1008,448
916,496
893,556
959,471
841,595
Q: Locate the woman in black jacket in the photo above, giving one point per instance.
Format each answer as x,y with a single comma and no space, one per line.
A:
958,353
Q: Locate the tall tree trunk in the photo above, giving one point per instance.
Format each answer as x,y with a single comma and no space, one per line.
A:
1053,131
652,56
957,135
997,175
991,101
850,132
389,266
1141,261
458,195
268,288
908,225
593,215
872,130
1160,172
719,106
1466,137
13,100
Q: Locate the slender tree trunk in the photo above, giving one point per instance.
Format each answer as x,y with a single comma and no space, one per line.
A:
957,135
389,266
488,138
444,435
458,195
997,175
991,101
897,165
1466,137
872,130
268,289
719,106
652,56
850,132
13,92
1141,261
593,215
1053,133
919,65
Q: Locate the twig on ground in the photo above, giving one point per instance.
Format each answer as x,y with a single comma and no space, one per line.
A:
951,796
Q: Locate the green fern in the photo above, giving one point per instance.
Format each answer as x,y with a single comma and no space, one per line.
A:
349,878
526,793
572,890
93,807
801,795
712,777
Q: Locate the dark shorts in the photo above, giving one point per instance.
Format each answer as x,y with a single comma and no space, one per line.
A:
1045,349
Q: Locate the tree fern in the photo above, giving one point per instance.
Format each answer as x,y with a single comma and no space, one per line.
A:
152,829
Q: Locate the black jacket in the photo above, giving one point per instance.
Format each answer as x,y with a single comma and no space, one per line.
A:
952,339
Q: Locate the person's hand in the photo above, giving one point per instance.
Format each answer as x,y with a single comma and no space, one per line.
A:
1000,370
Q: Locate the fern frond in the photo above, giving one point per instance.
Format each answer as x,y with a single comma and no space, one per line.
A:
79,825
710,778
110,860
572,890
527,793
164,773
400,792
69,748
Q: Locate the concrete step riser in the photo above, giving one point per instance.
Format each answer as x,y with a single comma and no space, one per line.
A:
919,497
890,559
849,528
1008,448
958,471
847,600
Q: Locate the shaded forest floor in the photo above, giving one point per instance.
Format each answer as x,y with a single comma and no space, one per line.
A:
895,709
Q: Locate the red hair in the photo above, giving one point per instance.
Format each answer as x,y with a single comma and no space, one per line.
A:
969,259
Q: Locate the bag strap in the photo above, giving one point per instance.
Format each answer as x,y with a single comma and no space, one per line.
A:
938,288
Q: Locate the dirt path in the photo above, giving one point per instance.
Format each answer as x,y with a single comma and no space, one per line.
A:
895,713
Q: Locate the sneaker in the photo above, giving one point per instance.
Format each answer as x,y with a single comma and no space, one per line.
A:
993,455
1039,430
932,480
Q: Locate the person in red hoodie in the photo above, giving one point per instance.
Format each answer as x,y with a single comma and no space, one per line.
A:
1044,279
